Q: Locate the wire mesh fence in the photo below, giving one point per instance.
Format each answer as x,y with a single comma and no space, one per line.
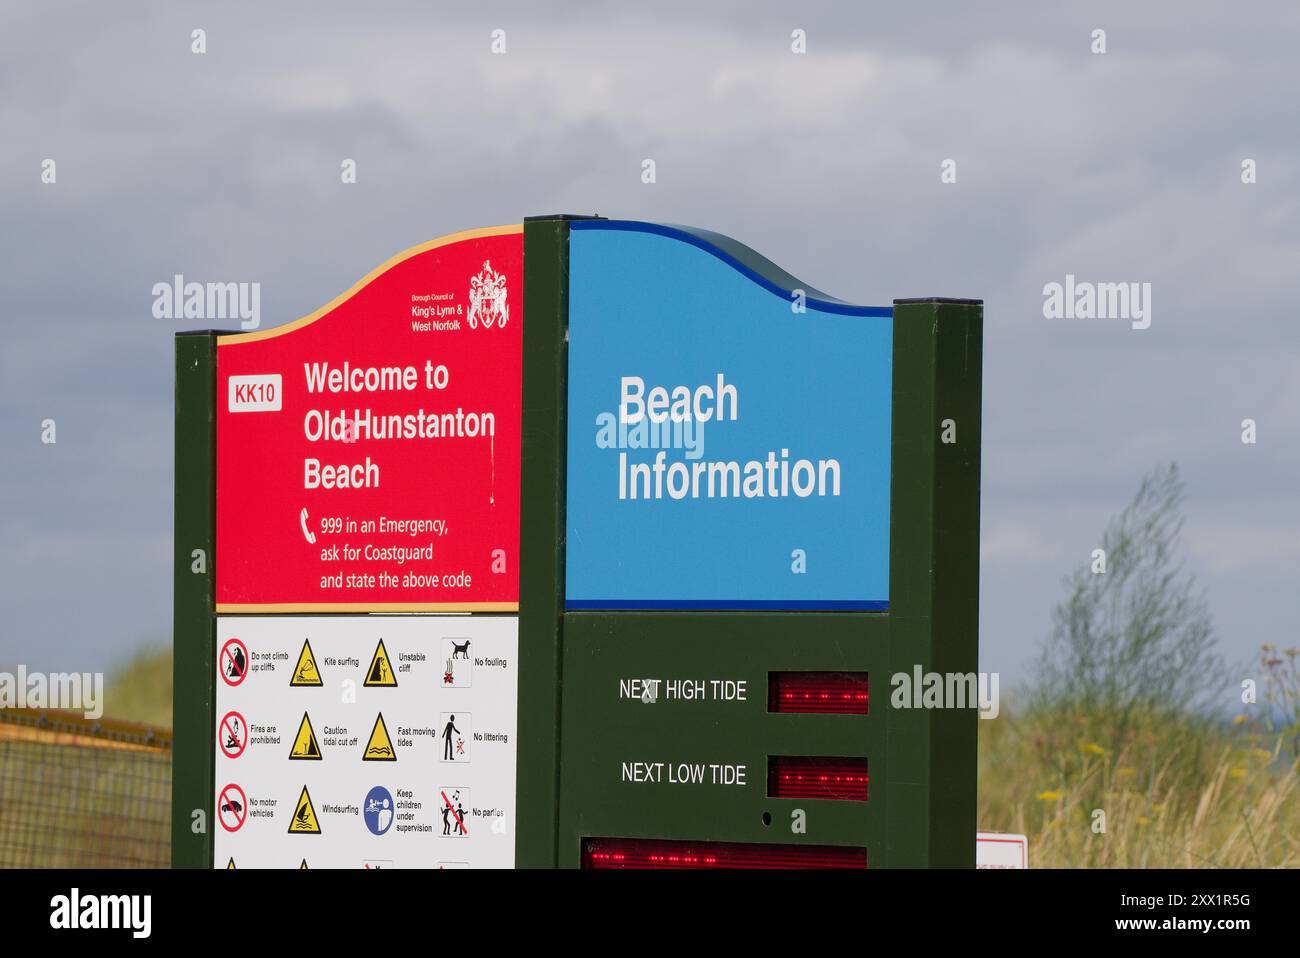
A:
81,793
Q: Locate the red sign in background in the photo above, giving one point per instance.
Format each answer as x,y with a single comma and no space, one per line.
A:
391,483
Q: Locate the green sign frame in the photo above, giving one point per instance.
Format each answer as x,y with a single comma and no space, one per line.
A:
573,729
571,726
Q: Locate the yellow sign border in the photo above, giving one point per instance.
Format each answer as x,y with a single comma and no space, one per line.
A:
235,339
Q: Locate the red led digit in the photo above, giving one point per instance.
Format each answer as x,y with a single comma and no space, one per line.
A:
843,693
648,853
804,776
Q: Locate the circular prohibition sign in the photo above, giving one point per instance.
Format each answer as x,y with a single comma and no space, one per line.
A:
232,734
232,802
232,663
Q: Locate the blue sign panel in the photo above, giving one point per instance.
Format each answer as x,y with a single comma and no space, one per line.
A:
729,434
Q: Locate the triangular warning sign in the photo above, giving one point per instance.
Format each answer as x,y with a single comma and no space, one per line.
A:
380,672
305,672
304,745
231,863
303,866
380,746
304,821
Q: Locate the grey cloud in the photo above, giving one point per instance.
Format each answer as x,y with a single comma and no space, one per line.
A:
226,167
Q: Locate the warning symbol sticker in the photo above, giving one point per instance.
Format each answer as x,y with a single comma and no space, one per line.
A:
458,667
233,736
305,672
380,746
233,662
455,736
304,821
380,674
303,866
454,801
232,808
230,865
304,744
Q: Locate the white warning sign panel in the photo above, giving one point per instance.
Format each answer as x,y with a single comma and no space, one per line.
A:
337,737
999,850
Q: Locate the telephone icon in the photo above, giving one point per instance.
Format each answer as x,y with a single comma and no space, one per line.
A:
307,533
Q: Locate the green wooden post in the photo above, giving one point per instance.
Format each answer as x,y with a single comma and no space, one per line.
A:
193,619
934,577
541,534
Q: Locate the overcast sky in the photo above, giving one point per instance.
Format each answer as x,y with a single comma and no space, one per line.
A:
1123,167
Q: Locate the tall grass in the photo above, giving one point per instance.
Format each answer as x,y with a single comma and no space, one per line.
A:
1171,791
1113,762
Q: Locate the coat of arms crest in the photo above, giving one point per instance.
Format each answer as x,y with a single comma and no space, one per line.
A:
487,298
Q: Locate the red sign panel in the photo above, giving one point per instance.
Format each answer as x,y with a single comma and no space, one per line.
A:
368,454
